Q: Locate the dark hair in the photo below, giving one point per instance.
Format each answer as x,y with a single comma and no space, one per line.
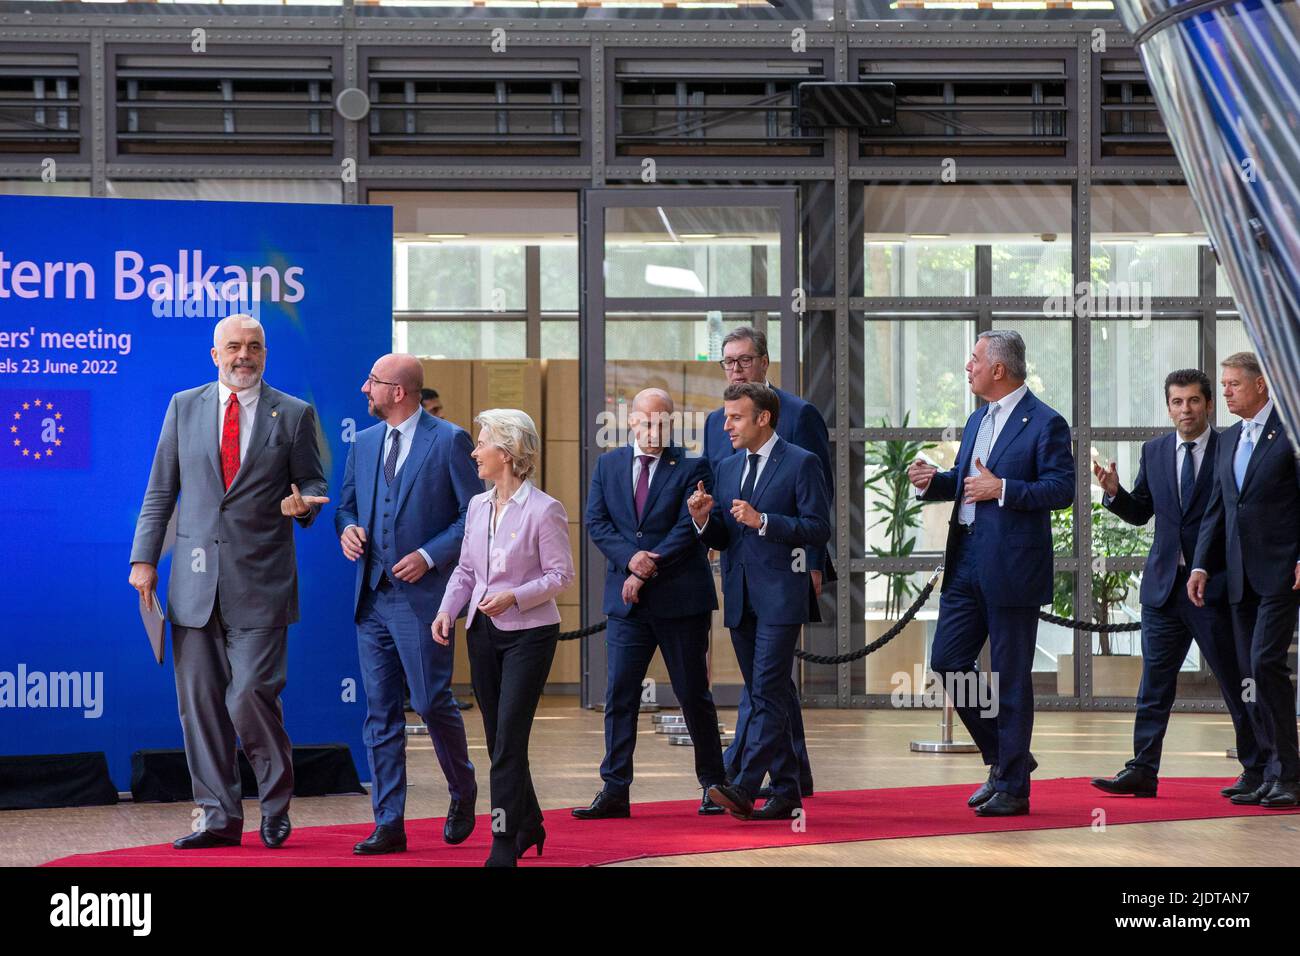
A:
748,333
428,393
1190,376
764,398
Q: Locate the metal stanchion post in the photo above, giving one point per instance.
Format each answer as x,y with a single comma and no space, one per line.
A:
945,744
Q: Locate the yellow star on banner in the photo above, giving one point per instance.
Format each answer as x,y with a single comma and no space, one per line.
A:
60,428
18,414
58,415
26,452
48,406
17,442
58,441
13,428
37,456
48,453
26,406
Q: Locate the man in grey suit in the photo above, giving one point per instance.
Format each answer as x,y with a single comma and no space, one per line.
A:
243,459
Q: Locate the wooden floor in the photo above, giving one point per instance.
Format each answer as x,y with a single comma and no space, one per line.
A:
850,749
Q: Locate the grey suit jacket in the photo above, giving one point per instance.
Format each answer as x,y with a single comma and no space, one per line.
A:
233,543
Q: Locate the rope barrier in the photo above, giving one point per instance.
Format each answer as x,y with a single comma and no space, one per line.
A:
835,659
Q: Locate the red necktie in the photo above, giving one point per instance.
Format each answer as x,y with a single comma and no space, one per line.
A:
230,441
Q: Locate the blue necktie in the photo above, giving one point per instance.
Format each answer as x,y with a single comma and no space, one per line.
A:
983,442
1244,449
751,476
1187,478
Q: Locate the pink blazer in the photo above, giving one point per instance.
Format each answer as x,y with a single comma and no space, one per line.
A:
530,556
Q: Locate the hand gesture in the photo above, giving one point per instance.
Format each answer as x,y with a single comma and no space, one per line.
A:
353,541
298,505
984,486
745,514
631,589
442,628
700,504
494,604
144,578
1108,478
1196,587
411,568
643,563
919,473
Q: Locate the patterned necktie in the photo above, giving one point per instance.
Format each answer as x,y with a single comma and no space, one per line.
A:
983,442
230,441
751,476
642,484
390,463
1187,478
1244,448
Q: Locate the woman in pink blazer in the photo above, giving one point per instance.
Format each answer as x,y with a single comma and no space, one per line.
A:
514,560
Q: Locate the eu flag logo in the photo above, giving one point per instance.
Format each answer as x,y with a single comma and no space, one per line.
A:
45,428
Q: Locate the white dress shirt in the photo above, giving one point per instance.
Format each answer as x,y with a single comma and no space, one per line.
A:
636,466
518,498
764,453
247,409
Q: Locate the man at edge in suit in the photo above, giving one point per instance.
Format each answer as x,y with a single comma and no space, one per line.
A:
1014,467
1252,530
243,460
1174,479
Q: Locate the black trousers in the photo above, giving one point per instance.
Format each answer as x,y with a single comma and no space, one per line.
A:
1263,627
508,670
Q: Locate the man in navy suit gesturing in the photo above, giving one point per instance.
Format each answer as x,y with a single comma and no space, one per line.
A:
772,510
401,518
745,359
1015,466
658,593
1252,529
1175,475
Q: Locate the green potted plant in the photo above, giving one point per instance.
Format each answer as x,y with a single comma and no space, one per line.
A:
892,507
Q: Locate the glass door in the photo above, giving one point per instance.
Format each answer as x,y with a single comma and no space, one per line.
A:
666,273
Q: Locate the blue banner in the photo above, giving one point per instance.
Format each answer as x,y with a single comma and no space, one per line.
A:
107,308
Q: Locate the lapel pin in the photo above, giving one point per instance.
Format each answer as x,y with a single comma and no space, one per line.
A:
1025,419
513,534
1270,435
273,414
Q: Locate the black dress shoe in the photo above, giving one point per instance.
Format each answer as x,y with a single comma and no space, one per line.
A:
275,829
1128,782
733,798
764,793
462,704
708,808
777,808
1255,796
385,839
986,790
1246,783
1003,805
606,806
203,840
1285,793
460,820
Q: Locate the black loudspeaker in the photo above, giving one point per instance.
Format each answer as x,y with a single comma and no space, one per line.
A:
867,106
318,771
55,780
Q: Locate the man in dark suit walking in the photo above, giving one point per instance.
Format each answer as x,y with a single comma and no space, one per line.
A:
1015,466
658,594
745,359
401,518
772,510
1252,530
1174,479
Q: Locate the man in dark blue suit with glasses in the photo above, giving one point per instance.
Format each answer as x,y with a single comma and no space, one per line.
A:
1173,484
1014,468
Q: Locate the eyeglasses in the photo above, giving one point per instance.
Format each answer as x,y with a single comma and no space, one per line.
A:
740,361
380,381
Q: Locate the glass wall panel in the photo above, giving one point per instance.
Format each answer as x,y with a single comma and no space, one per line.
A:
887,493
1049,350
460,340
1130,359
915,369
1147,239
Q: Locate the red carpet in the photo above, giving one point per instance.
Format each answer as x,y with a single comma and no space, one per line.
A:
673,828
